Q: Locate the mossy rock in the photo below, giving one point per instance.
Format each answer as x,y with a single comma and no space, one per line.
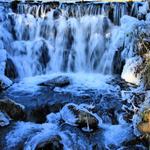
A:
146,115
144,127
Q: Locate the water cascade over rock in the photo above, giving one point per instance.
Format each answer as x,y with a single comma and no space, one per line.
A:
69,38
74,75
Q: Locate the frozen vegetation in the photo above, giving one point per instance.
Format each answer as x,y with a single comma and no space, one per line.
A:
74,76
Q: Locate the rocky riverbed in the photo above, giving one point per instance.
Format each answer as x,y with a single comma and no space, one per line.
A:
46,114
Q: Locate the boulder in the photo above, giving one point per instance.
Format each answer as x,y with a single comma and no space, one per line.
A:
13,109
79,115
144,125
4,119
4,83
52,144
39,113
60,81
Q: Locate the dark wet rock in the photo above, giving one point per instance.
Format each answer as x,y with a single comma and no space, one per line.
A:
109,116
128,116
39,113
53,144
141,16
14,110
136,143
136,147
121,82
4,83
10,69
143,44
60,81
131,103
118,63
79,116
136,98
4,119
106,24
57,13
14,5
44,56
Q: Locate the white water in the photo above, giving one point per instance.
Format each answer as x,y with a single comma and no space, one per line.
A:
41,45
56,42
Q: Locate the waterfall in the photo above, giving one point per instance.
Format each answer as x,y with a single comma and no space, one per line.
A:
62,38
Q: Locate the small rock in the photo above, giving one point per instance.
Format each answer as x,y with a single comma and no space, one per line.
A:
4,83
146,115
80,116
53,144
13,109
4,119
10,69
60,81
57,13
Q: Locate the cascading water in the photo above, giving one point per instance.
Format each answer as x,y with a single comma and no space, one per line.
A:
57,62
69,38
58,44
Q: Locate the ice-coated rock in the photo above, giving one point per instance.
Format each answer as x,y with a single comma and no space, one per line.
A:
60,81
4,82
4,119
148,17
14,110
126,20
144,8
131,72
81,116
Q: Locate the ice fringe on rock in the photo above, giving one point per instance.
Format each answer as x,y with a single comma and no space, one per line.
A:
4,119
129,70
77,115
